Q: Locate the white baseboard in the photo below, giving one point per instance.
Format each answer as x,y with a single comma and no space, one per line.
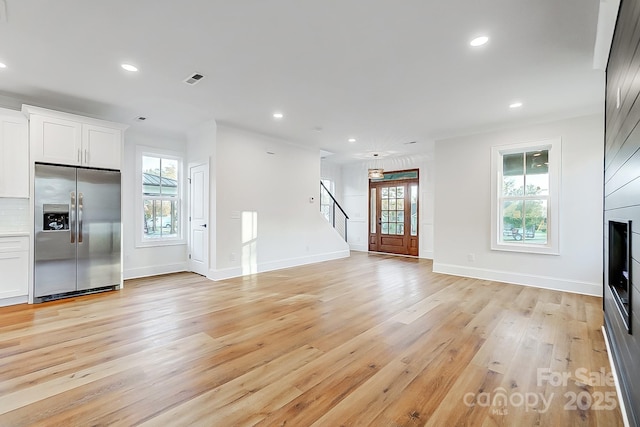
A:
535,281
154,270
623,409
13,301
228,273
426,255
225,273
363,248
358,248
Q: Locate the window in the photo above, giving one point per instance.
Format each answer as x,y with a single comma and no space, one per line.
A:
326,203
525,197
160,207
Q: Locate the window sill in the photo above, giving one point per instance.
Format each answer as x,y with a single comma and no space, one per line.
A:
531,249
152,244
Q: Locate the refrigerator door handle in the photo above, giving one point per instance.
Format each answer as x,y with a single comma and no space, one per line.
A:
80,207
72,217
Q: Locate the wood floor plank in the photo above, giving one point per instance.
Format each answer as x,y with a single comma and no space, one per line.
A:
207,407
59,384
499,349
390,382
464,404
368,340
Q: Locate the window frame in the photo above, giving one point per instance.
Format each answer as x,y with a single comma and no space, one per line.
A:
141,240
330,186
552,247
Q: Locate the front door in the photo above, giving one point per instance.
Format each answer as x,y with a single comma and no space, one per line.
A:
393,219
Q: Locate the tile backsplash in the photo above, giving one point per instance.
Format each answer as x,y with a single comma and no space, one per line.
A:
14,215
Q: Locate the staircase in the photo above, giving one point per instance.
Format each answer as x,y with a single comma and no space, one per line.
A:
336,217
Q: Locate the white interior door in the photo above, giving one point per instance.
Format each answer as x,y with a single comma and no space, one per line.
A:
199,218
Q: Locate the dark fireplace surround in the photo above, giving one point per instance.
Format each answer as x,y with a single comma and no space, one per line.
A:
619,268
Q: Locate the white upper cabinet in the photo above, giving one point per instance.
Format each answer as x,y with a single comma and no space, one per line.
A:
55,140
14,154
68,139
102,146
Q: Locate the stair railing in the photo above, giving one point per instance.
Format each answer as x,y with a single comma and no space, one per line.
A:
328,205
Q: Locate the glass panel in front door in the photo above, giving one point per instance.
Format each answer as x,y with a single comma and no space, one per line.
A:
392,210
414,209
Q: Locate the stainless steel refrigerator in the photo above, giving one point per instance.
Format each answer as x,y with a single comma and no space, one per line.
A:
77,231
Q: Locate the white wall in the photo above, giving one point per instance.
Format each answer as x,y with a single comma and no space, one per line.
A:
463,209
355,188
332,172
145,261
264,217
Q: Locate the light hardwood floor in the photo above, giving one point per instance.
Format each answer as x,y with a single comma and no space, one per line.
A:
370,340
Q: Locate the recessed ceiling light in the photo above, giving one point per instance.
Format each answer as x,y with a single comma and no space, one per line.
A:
515,105
479,41
351,140
129,67
3,65
278,115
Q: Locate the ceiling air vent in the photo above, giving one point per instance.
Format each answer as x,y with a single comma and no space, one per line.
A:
193,79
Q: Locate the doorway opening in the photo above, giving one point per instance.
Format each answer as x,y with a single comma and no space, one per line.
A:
393,213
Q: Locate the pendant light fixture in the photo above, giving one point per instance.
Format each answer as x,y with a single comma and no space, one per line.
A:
376,172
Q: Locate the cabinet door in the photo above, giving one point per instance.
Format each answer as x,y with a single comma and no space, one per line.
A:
14,267
14,155
101,147
55,140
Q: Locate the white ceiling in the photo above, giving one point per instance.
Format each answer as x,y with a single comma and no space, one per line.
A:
385,72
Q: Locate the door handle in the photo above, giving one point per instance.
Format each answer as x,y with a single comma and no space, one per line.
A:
80,207
203,225
72,219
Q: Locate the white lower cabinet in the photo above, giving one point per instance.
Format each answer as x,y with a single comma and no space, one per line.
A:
14,267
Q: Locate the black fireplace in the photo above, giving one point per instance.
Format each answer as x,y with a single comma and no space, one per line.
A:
620,267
